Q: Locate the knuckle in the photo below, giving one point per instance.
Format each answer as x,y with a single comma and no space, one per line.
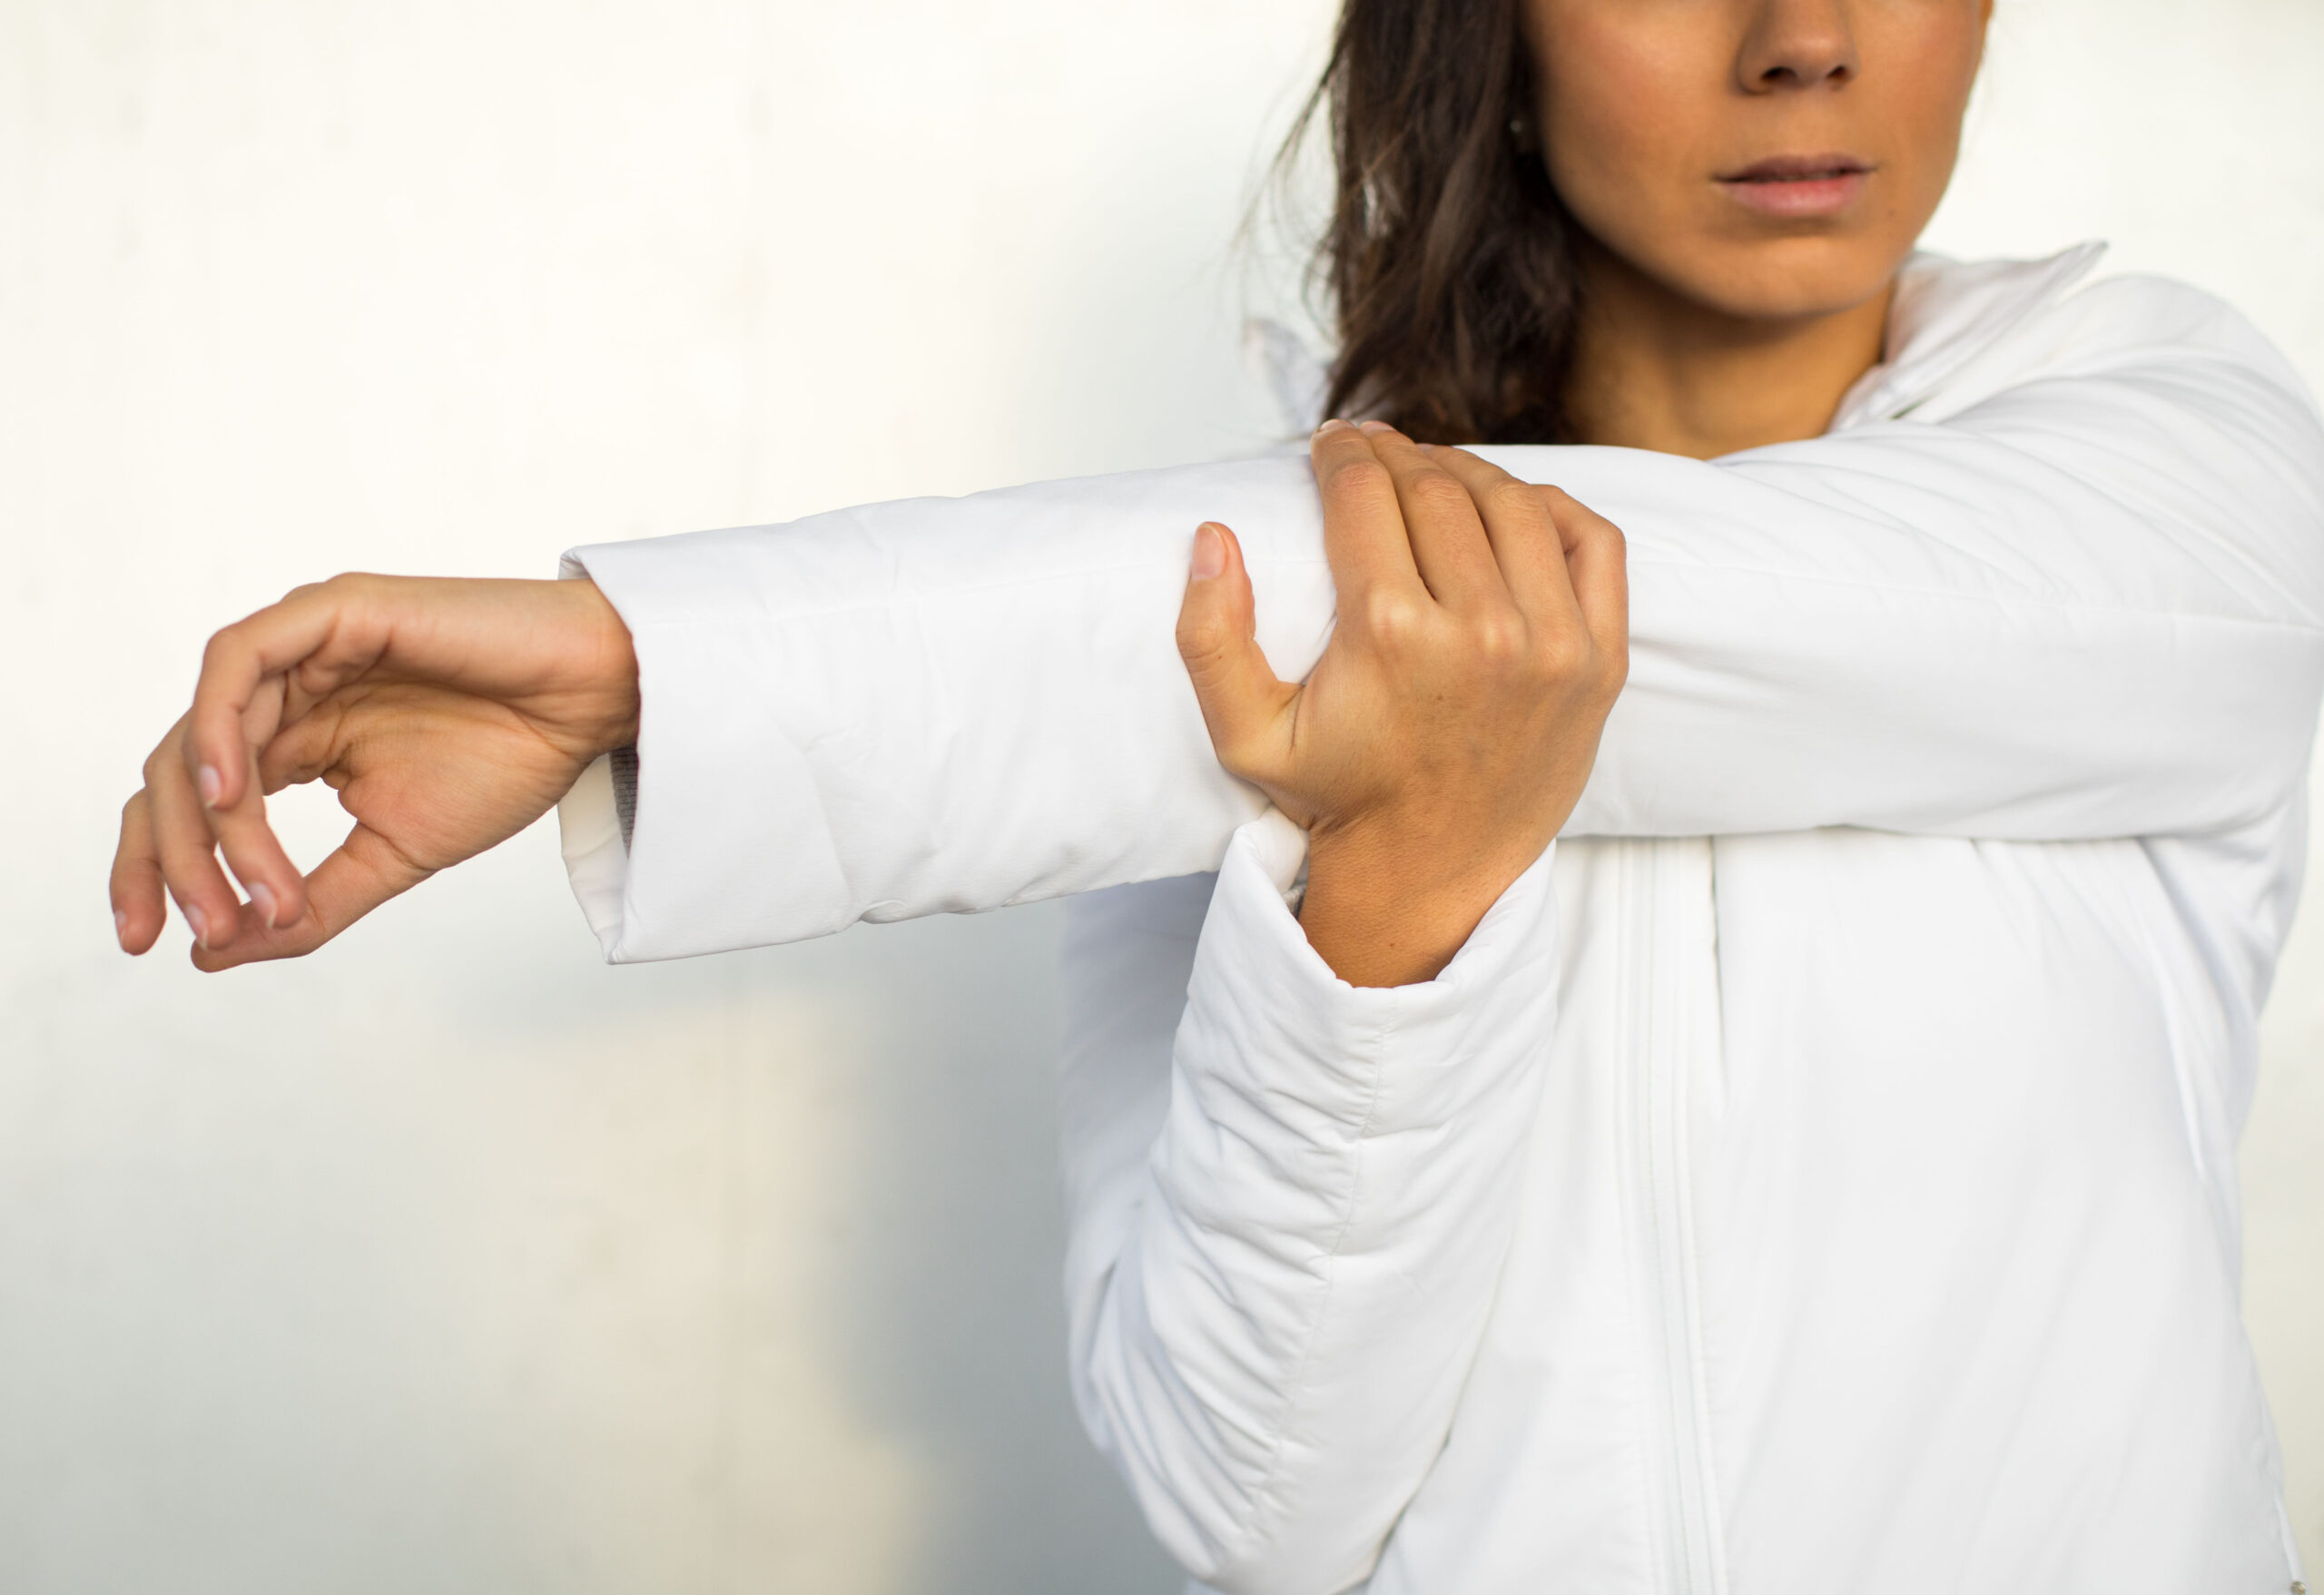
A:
1200,646
1203,636
1607,540
1362,478
1438,493
1240,753
1497,636
1390,618
221,645
346,588
1565,655
1514,500
1615,668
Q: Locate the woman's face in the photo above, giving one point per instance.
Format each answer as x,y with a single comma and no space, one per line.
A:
1765,159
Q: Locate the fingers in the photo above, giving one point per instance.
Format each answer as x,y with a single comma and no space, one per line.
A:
1559,557
276,889
1597,560
214,800
1526,544
184,847
362,873
1245,706
1442,522
238,699
170,842
139,911
1364,521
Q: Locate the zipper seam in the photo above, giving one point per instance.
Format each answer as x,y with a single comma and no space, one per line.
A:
1639,1037
1691,1557
1703,1032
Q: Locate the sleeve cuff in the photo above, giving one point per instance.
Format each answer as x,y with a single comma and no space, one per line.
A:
596,861
729,790
1369,1059
1272,848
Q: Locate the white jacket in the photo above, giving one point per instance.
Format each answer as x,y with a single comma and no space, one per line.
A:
1816,1174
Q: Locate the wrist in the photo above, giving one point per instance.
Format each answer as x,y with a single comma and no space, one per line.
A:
1386,906
610,668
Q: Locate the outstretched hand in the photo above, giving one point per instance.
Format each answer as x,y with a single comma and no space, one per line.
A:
1447,731
448,714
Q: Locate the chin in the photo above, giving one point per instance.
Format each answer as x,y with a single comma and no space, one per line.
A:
1785,280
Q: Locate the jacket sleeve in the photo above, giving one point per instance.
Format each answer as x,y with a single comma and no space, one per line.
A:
2082,600
1289,1207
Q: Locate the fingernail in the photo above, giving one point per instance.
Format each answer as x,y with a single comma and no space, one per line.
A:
1374,428
201,923
120,926
206,779
1210,552
1333,425
262,899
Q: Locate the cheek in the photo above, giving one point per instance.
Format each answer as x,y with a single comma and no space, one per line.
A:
1928,75
1933,78
1621,115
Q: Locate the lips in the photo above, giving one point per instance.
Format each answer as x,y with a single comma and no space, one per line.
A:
1798,186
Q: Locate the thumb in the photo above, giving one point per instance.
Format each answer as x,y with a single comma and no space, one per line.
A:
362,873
1242,702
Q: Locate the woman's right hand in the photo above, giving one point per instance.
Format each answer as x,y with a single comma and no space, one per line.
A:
448,714
1440,742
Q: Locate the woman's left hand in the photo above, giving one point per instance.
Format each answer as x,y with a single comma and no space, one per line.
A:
1445,736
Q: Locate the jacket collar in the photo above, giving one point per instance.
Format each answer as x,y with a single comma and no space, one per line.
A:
1946,315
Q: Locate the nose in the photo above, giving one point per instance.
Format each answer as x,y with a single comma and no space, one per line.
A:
1796,45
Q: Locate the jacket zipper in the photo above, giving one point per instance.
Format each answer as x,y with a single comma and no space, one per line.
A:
1670,1015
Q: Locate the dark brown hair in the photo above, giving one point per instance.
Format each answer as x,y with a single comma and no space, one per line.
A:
1448,256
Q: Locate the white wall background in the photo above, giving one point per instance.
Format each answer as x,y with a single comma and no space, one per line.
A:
450,1261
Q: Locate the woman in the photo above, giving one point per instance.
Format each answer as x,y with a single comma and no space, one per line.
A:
1812,1170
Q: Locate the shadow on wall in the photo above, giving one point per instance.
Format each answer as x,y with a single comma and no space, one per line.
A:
450,1260
867,1127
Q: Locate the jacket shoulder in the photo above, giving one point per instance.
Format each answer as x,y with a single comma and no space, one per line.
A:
2140,316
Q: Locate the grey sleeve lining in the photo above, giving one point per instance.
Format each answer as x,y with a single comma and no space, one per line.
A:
624,770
